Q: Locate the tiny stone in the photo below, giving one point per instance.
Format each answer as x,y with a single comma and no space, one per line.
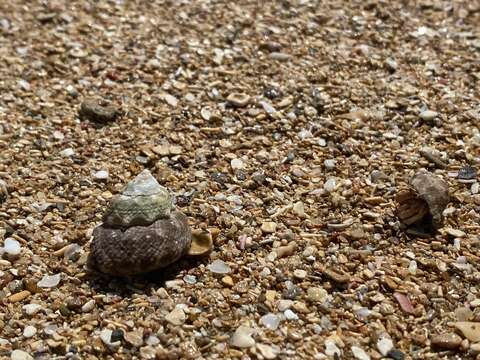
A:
467,173
428,115
170,100
330,184
270,321
242,338
300,274
176,317
290,315
67,152
238,100
29,331
455,233
12,247
316,294
190,279
134,338
330,164
20,355
299,209
359,353
331,349
32,309
237,164
219,267
49,281
227,281
396,354
384,345
267,351
88,306
101,175
269,227
283,305
447,341
471,330
463,314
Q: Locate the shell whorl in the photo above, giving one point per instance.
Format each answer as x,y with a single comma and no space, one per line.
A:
143,202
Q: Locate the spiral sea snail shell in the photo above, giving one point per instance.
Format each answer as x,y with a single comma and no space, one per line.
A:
141,231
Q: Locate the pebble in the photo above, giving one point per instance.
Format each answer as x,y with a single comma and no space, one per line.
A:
428,115
219,267
446,341
134,338
270,321
330,184
396,354
471,330
242,337
463,314
331,349
20,355
49,281
359,353
67,152
32,309
190,279
237,164
12,247
269,109
455,233
238,99
29,331
106,337
269,227
227,281
19,296
176,317
290,315
283,304
330,164
88,306
316,294
170,100
279,56
300,274
299,209
384,345
101,175
267,351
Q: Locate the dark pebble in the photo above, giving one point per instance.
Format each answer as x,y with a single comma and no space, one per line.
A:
467,173
396,354
117,335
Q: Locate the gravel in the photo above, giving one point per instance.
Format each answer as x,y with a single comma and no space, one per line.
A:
286,132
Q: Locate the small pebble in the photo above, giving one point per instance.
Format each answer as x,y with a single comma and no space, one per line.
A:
331,349
316,294
88,306
270,321
69,152
242,337
396,354
428,115
101,175
12,247
267,351
455,233
330,184
290,315
446,341
330,164
238,99
300,274
359,353
49,281
269,227
471,330
219,267
176,316
237,164
29,331
32,309
20,355
384,345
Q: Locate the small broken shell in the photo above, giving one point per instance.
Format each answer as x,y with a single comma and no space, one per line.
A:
142,202
202,243
420,208
140,249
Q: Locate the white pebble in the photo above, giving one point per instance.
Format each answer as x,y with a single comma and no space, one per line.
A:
12,247
384,345
475,188
20,355
412,267
67,152
88,306
49,281
268,107
29,331
359,353
290,315
31,309
330,164
219,267
331,349
283,305
330,184
242,337
270,321
428,115
101,175
237,164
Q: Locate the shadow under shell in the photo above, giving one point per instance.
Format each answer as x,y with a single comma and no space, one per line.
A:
140,249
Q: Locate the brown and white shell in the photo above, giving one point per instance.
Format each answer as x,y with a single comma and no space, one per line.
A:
140,232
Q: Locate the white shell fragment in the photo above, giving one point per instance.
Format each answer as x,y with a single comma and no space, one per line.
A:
142,203
49,281
12,247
